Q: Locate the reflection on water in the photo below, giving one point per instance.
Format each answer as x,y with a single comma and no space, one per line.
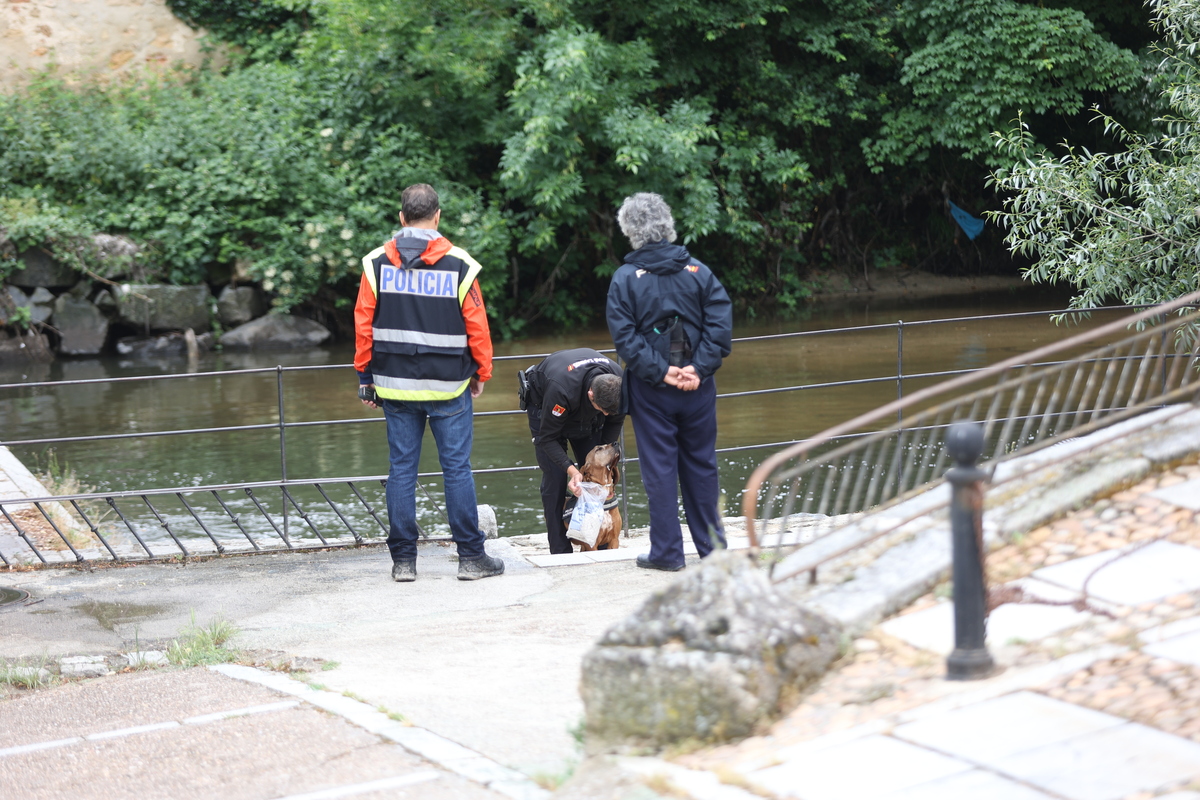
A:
206,401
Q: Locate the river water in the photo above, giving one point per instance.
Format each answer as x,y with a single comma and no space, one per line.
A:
208,400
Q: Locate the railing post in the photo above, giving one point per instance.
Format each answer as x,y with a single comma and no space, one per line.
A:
970,659
899,367
282,445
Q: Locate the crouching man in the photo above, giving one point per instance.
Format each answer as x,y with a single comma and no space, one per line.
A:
572,397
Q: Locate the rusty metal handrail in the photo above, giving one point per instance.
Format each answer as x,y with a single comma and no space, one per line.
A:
818,479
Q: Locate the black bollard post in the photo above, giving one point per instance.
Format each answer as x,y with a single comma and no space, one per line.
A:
970,658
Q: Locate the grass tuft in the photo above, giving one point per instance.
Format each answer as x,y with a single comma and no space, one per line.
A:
201,645
26,676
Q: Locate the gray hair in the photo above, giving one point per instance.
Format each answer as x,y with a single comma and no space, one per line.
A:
644,218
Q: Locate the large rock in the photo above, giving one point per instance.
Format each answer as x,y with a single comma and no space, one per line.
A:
83,327
237,305
713,656
27,347
161,307
41,269
275,331
40,304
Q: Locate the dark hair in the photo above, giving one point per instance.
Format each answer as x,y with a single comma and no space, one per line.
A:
418,203
606,392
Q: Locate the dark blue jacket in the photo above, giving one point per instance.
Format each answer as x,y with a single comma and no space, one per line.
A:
658,282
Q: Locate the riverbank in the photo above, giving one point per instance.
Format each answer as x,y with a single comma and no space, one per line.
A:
909,284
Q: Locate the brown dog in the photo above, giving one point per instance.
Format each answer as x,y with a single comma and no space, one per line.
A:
601,467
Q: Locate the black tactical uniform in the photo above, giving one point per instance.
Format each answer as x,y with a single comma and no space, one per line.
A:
559,412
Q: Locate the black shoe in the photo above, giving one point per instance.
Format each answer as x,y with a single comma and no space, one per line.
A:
485,566
643,561
404,571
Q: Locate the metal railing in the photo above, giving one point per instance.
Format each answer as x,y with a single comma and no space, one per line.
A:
289,514
1031,401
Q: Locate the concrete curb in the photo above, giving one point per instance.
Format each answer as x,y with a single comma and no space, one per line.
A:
439,750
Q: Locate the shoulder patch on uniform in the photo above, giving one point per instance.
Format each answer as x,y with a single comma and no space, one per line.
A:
583,362
474,293
692,268
558,411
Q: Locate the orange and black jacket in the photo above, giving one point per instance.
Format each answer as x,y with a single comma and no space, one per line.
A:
421,329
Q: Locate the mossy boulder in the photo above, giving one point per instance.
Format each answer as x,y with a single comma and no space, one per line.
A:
714,656
161,307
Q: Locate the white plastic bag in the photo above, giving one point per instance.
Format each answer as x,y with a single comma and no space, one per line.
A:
588,514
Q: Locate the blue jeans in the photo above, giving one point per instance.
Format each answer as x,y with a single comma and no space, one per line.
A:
453,429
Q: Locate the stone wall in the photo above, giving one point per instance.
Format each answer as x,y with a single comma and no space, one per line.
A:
101,39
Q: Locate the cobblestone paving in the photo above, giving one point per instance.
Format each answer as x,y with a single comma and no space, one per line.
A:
1137,686
1124,518
881,676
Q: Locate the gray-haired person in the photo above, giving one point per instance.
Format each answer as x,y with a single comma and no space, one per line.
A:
672,323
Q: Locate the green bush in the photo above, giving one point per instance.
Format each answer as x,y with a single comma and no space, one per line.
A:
215,169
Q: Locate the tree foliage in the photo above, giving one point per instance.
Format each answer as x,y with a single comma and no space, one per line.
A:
790,138
1120,225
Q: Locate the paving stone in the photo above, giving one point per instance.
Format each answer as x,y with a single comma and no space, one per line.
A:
1005,726
1186,495
559,559
865,767
1107,764
620,554
973,785
1184,649
145,658
29,674
83,667
1149,574
933,628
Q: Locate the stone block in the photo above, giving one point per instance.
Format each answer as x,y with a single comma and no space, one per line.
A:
487,521
83,327
29,675
1005,726
977,785
83,667
28,347
867,767
42,269
1183,649
712,656
1186,495
237,305
1105,765
145,658
1141,575
161,307
275,331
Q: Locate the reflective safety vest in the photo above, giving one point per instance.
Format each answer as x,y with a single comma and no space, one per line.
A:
419,349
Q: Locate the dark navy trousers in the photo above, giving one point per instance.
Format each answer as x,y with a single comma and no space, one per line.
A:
677,450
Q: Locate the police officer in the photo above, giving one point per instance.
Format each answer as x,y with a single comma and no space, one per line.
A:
423,352
672,323
573,396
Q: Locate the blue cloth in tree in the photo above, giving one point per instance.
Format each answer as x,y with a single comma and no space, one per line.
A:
972,226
